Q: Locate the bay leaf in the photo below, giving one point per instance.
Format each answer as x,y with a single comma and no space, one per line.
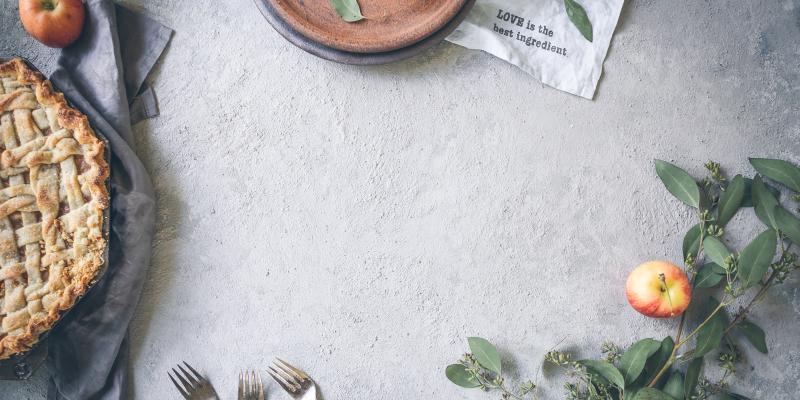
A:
485,353
779,171
348,10
679,183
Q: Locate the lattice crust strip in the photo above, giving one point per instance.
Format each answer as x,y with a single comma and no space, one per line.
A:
52,200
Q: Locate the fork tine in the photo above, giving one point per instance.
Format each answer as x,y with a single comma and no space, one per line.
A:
254,388
249,375
186,385
248,383
180,389
299,374
260,386
286,386
189,377
286,376
241,386
196,374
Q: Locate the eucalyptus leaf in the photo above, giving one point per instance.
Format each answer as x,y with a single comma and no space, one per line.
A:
755,258
691,242
748,190
754,334
674,386
764,202
458,374
679,183
692,377
631,391
778,170
578,16
658,359
710,335
606,370
715,250
485,353
788,224
651,394
348,10
709,275
632,361
731,200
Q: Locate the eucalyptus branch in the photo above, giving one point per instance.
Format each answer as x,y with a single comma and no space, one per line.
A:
618,375
755,300
759,296
501,386
672,356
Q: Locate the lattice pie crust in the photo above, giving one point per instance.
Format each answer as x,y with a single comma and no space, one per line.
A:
52,200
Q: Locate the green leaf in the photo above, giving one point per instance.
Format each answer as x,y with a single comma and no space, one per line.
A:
632,362
755,258
710,335
788,224
731,200
658,359
754,334
778,170
606,370
348,10
485,353
748,190
651,394
715,250
692,377
691,242
764,203
458,374
631,391
679,183
709,275
578,16
674,386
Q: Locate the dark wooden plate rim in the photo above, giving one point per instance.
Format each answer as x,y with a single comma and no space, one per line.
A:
346,57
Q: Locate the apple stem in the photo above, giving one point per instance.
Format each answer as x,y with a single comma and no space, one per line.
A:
664,287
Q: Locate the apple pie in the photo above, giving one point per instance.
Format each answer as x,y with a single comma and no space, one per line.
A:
53,197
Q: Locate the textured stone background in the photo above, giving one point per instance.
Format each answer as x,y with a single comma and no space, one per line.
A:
362,221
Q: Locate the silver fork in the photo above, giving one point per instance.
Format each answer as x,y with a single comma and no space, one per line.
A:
250,386
292,380
193,386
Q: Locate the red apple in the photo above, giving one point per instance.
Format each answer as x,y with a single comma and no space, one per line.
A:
658,289
55,23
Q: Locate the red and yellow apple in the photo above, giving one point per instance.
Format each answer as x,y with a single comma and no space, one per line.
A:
658,289
55,23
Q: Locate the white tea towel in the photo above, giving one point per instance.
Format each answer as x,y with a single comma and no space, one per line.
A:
538,36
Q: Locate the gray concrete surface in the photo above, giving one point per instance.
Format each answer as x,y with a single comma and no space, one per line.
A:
361,222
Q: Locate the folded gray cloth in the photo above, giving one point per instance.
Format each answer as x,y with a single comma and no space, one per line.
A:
101,75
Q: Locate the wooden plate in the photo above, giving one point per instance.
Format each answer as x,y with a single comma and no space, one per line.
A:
347,57
389,24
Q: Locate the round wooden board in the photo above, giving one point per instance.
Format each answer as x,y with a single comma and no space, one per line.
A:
389,24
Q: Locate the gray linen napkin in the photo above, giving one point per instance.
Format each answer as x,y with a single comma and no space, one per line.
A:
101,75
